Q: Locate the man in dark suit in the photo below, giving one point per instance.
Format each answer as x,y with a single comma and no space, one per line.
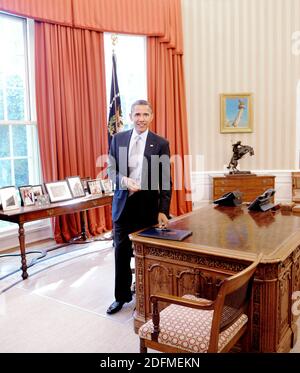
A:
139,165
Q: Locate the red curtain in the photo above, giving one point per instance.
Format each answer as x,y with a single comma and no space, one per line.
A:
71,102
144,17
167,94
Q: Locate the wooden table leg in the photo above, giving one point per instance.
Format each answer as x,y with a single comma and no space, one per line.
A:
84,236
22,249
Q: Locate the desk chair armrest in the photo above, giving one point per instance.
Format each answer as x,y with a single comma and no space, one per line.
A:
172,299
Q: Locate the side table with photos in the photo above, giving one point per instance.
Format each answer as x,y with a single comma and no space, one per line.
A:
63,197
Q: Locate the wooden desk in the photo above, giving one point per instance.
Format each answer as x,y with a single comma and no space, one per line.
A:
31,213
225,240
250,185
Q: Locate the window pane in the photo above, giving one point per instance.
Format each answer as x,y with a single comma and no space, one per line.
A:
1,104
21,172
12,28
12,68
4,141
15,103
5,173
19,141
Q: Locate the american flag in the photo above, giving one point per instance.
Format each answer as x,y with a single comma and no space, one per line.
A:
115,122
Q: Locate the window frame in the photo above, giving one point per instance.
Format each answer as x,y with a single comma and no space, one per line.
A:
8,233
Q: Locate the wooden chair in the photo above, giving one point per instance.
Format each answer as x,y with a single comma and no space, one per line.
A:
191,324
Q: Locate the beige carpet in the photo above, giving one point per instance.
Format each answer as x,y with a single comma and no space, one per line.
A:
61,306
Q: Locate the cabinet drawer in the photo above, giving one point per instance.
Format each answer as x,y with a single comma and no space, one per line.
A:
250,182
247,195
222,190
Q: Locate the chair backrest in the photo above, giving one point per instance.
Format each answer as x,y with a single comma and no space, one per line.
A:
232,301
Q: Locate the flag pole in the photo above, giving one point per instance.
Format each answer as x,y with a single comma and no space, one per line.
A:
115,122
114,40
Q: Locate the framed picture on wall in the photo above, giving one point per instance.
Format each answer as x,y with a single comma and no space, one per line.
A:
9,198
236,112
58,191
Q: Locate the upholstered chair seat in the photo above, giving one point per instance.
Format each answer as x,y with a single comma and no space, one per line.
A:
189,329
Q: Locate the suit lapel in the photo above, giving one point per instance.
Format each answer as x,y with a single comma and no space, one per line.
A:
126,139
151,145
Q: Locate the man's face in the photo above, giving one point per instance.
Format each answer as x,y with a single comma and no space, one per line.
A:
141,117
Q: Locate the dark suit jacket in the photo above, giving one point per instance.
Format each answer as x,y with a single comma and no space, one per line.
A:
156,179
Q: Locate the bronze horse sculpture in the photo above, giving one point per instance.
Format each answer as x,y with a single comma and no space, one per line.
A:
239,151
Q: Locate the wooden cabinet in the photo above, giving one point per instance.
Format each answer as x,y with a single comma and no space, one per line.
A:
250,185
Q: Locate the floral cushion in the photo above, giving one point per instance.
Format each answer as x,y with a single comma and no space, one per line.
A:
189,328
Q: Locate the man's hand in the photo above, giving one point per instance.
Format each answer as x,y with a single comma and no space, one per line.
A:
131,184
162,220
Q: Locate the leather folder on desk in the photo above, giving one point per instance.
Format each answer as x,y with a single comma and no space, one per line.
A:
165,234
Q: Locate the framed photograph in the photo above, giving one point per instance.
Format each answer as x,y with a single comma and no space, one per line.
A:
37,191
84,183
76,186
9,198
236,112
95,186
58,191
107,186
27,195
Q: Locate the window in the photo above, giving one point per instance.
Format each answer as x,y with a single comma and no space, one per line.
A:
19,155
131,69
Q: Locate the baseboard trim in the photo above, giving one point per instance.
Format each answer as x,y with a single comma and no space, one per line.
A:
36,231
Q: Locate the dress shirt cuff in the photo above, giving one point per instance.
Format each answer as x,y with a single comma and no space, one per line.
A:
123,182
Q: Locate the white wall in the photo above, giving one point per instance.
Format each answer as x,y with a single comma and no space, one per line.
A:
236,46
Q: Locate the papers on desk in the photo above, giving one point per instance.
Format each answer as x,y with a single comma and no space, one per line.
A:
165,234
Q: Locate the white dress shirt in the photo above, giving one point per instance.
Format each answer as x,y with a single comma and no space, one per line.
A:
135,161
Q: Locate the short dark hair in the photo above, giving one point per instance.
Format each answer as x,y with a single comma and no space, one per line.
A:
141,102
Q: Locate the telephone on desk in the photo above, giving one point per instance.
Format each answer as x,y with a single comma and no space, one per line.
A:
263,202
230,199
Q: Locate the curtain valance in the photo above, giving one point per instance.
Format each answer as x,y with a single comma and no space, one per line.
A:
145,17
54,11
